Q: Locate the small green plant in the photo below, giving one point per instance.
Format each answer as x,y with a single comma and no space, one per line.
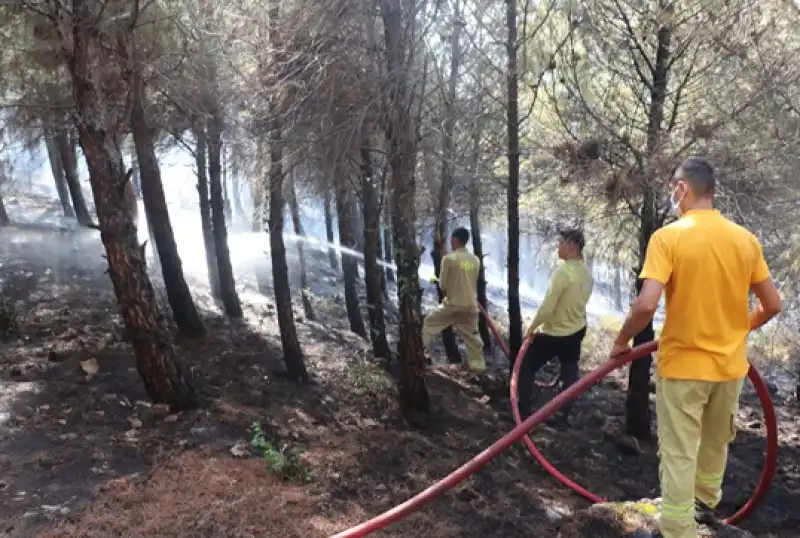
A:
281,462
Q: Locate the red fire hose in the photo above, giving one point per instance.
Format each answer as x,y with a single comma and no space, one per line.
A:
546,411
769,419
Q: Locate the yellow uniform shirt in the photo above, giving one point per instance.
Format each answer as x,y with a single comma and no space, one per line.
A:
458,279
563,311
707,264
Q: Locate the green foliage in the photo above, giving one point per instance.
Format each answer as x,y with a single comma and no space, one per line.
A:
282,462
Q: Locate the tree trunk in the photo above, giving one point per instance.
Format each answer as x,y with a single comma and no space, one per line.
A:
344,211
333,255
512,191
448,176
387,243
226,199
292,352
637,406
184,311
4,220
257,192
413,392
69,160
200,155
162,374
294,206
58,174
477,240
227,282
372,251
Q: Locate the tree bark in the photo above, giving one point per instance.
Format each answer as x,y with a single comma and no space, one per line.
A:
637,406
200,159
69,160
512,192
184,310
158,366
477,240
345,210
57,168
447,175
413,392
387,242
292,352
333,255
4,220
297,223
372,251
227,282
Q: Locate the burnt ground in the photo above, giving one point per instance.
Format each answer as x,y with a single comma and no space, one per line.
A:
84,454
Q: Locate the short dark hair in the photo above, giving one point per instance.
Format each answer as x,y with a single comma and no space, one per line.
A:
699,173
462,235
574,236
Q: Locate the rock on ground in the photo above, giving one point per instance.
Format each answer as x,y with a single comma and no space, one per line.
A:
630,519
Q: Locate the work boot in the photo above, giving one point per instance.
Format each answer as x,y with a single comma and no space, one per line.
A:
704,514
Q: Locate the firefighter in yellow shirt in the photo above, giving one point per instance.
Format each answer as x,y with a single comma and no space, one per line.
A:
707,265
561,323
458,279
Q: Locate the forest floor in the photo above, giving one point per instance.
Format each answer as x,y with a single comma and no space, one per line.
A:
83,454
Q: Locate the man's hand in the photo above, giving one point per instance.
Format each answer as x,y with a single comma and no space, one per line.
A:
619,348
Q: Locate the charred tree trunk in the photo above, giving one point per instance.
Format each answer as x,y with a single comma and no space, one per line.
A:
292,352
447,177
413,392
512,192
347,239
4,220
184,311
57,168
69,160
297,223
477,240
637,406
227,282
372,251
226,199
387,242
158,366
333,255
200,160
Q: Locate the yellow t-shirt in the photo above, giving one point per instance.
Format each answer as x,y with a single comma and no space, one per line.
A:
707,264
458,279
563,310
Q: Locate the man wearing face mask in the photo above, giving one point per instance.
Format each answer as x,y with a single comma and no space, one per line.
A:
707,265
561,324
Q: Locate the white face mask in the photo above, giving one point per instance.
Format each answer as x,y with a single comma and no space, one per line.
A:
675,205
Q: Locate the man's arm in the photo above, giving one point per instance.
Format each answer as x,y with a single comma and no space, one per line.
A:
554,290
641,312
769,298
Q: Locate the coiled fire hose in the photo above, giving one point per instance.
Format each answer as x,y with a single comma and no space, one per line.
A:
546,411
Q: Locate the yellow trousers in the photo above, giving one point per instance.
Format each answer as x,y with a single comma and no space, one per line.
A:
695,427
465,323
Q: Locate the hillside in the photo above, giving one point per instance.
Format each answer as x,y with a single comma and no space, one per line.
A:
82,453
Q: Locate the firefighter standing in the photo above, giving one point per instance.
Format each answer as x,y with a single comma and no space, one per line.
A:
458,280
707,265
561,323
